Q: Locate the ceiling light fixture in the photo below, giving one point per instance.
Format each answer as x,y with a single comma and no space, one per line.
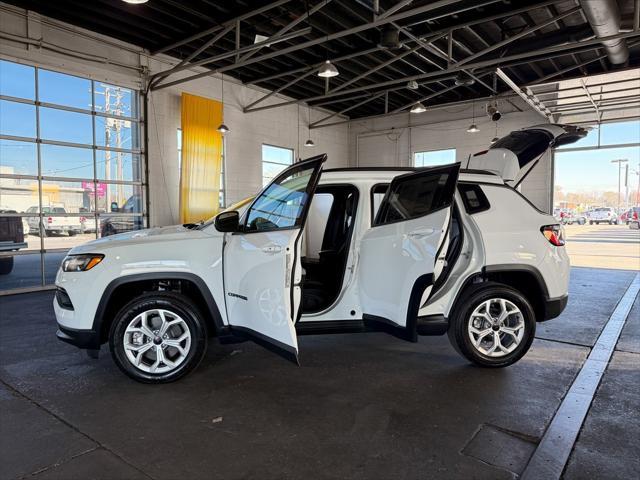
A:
328,70
473,128
135,2
222,128
412,85
309,142
463,80
418,108
494,114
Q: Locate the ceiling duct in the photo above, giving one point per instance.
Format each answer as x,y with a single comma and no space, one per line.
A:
604,18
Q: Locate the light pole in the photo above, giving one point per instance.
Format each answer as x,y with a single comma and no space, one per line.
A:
619,161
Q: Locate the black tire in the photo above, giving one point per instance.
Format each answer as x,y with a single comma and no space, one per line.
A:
72,233
590,222
174,303
6,265
461,317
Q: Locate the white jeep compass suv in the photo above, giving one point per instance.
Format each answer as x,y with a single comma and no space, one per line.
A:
409,251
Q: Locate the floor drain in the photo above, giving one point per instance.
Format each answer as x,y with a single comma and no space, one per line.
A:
500,448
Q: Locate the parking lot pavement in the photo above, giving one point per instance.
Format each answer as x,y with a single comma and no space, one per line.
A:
603,246
359,406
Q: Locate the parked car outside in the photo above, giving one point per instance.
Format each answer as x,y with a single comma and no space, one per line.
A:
603,215
52,222
629,215
411,252
633,218
11,239
569,217
88,222
112,224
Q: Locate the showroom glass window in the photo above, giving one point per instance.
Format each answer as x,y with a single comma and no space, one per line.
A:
274,160
70,167
222,198
434,158
585,178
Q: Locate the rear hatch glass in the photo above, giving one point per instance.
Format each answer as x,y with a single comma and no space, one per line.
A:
527,144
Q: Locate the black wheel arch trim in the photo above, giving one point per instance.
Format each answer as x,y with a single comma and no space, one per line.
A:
200,284
519,267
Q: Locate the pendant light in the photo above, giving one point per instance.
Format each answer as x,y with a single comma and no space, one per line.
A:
473,128
418,107
328,70
222,128
309,142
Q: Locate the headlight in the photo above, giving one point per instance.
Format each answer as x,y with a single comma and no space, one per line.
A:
81,263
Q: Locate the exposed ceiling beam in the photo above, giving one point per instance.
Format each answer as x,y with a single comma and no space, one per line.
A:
557,50
291,25
271,40
217,28
526,94
333,36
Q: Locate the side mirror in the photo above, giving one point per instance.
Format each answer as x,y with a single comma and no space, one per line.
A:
228,221
114,207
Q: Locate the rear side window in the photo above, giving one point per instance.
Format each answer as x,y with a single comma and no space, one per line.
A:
417,194
473,198
378,192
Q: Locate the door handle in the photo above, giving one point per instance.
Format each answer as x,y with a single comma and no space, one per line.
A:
272,249
421,233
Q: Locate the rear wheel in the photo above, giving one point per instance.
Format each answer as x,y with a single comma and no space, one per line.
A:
493,326
158,338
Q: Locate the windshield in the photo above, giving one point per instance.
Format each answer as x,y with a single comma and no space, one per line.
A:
239,206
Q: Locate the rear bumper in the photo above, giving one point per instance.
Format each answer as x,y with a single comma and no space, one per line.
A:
553,307
87,339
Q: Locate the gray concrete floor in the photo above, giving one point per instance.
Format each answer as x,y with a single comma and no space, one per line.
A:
359,406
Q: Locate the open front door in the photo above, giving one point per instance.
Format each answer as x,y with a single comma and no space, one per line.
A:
262,267
404,250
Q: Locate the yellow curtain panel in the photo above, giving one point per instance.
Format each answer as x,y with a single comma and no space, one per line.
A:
201,158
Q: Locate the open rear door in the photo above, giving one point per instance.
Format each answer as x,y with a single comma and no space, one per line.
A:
400,252
262,266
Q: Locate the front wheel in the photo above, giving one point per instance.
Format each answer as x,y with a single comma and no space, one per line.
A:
493,326
158,338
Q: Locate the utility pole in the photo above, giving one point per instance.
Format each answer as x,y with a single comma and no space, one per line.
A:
619,161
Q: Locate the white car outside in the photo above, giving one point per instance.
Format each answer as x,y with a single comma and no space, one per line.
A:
407,251
603,215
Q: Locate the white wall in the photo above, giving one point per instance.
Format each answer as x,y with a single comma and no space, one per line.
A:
76,51
443,129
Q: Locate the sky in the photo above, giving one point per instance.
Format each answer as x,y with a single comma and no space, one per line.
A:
592,170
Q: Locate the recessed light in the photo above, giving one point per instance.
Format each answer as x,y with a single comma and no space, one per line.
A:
135,2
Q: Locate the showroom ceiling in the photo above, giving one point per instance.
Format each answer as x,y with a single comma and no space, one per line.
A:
440,45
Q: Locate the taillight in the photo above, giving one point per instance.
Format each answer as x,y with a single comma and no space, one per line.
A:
49,220
554,233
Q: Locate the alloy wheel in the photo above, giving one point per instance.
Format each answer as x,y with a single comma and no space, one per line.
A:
157,341
496,327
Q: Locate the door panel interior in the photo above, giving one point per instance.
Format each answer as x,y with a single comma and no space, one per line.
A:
262,262
407,238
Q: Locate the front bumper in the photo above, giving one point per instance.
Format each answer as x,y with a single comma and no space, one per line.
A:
553,307
87,339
